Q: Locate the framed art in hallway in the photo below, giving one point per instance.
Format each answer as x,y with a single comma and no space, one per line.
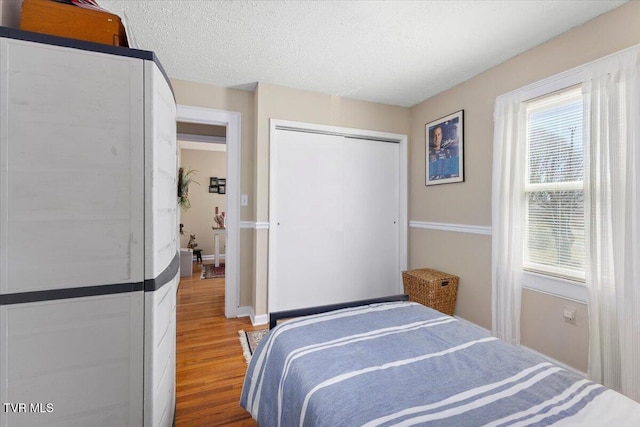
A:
444,148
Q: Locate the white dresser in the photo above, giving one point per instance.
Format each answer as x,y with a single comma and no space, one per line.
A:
89,261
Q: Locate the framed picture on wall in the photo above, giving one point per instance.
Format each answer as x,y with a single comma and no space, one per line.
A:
213,181
444,148
222,189
213,189
222,181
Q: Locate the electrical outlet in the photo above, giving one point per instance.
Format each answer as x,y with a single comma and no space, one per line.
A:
569,314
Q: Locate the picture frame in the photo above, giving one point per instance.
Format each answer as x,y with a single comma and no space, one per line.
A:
213,181
213,189
222,189
222,181
444,149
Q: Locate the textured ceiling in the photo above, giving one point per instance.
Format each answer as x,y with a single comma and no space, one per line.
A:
392,52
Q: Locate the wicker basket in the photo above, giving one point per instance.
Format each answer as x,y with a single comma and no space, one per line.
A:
432,288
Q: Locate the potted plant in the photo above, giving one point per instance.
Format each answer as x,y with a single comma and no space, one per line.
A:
185,177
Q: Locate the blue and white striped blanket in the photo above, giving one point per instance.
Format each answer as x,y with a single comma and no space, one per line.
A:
402,364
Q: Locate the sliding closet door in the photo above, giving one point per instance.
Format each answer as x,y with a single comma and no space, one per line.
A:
334,209
306,221
371,255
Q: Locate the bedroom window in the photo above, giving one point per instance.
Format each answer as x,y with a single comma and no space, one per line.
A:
554,232
565,206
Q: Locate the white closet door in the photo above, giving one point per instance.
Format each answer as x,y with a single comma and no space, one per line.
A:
334,219
307,219
372,208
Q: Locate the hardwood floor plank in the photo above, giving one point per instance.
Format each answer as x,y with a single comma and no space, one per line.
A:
210,367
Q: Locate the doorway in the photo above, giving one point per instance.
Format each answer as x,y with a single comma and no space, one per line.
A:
203,159
231,121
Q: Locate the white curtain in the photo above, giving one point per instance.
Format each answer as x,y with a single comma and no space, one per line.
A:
612,201
508,204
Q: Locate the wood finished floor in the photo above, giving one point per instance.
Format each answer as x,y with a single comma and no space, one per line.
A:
210,367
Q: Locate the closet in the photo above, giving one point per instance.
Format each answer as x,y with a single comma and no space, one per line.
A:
88,253
337,226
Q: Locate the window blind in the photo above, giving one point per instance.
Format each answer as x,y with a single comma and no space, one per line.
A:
554,230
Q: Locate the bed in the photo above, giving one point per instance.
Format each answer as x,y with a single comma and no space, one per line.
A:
398,363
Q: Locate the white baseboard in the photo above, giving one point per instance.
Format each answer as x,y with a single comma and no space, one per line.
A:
262,319
244,311
210,257
247,311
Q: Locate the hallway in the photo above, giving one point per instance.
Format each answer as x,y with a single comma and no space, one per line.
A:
210,367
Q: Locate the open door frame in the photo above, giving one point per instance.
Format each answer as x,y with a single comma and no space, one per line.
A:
231,120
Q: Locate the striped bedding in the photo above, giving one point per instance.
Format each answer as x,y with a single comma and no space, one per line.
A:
402,364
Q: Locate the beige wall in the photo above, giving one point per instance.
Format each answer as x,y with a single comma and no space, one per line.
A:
465,255
469,255
277,102
546,330
199,219
10,13
208,96
270,101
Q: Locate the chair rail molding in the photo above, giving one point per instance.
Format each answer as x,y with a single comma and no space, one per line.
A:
460,228
256,225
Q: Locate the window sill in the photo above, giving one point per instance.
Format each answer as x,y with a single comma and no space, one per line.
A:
555,286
